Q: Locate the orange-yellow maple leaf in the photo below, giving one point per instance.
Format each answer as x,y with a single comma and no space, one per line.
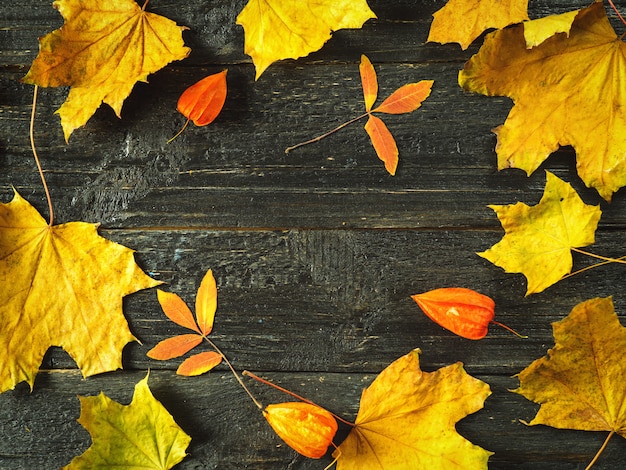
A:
567,91
538,239
61,286
141,434
276,29
101,51
580,384
407,419
462,21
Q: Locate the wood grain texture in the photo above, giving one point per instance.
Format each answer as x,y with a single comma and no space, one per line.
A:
315,253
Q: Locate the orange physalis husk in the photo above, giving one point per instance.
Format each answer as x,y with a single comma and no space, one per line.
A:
203,101
463,311
306,428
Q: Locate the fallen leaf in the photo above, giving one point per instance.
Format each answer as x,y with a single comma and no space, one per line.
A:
62,286
307,428
276,30
462,21
383,142
580,383
407,419
101,52
203,101
139,435
405,99
538,239
537,31
567,91
177,310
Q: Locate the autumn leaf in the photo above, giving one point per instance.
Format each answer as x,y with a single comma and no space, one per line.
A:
462,21
580,383
538,239
567,91
62,286
276,30
203,101
405,99
177,310
407,419
139,435
537,31
101,51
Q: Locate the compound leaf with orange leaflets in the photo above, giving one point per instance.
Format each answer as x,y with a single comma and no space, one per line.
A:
141,434
538,239
580,383
407,419
62,286
276,30
101,51
568,90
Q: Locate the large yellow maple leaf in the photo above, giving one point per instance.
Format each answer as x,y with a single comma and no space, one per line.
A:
61,286
462,21
141,434
406,420
581,383
567,91
101,51
289,29
538,239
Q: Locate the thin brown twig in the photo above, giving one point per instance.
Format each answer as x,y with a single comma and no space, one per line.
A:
290,393
32,146
326,134
619,15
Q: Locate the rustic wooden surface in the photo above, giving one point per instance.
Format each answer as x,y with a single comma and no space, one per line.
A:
316,253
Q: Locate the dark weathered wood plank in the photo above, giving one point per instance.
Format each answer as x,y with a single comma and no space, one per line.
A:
228,432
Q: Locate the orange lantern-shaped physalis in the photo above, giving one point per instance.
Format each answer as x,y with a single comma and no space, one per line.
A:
462,311
306,428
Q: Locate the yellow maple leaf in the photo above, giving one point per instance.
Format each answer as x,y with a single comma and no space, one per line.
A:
462,21
538,239
61,286
567,91
101,51
537,31
139,435
580,383
406,420
279,29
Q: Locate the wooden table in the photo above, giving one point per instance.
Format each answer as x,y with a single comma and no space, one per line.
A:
315,253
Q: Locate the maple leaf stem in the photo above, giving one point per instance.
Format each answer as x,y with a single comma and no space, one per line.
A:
606,259
232,369
32,146
145,4
290,393
320,137
619,15
604,444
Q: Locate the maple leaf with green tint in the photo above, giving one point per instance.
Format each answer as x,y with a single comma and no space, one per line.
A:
61,286
407,419
538,240
581,383
101,51
568,90
177,310
139,435
276,29
462,21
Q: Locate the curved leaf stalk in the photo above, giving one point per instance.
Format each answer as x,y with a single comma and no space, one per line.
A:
32,146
